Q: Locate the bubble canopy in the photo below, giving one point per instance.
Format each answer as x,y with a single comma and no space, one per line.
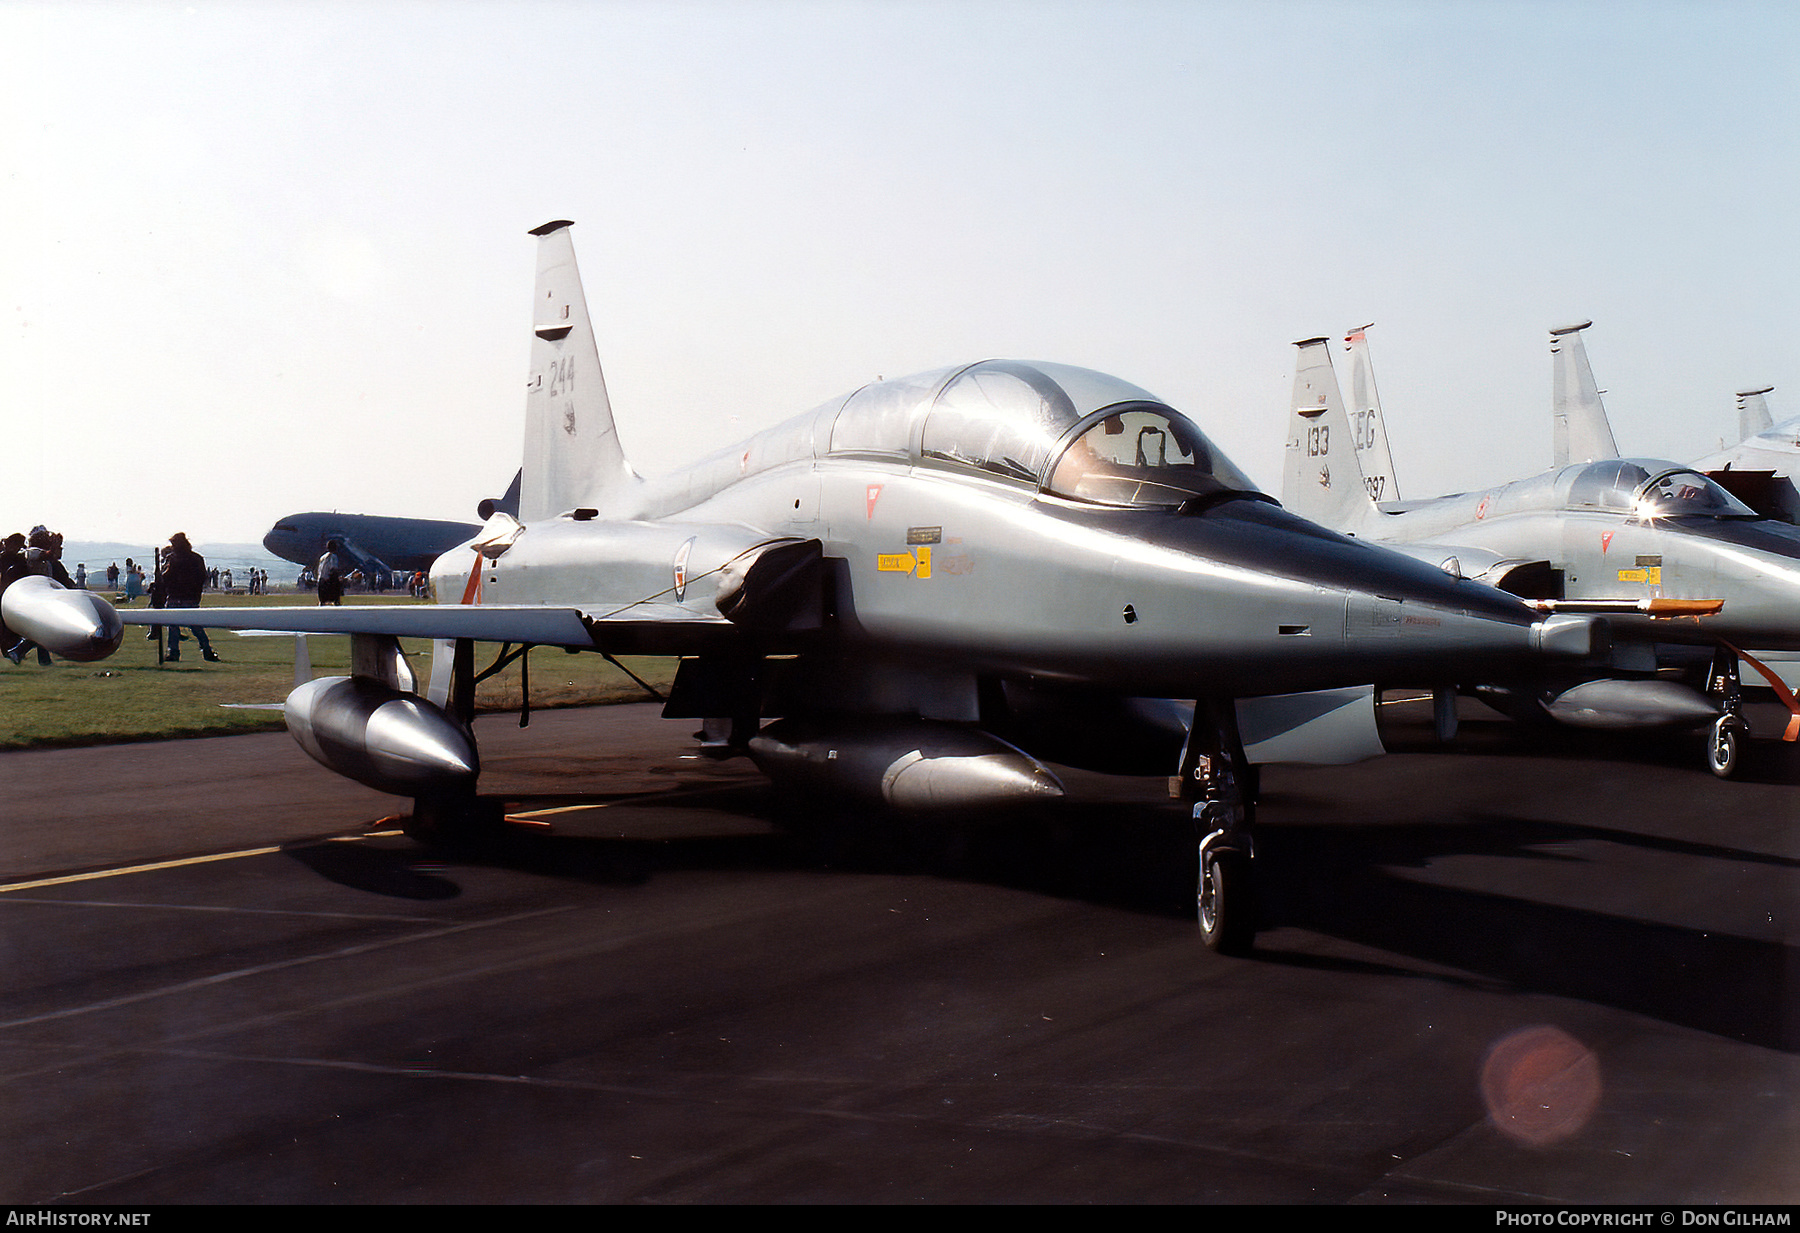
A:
1650,488
1069,431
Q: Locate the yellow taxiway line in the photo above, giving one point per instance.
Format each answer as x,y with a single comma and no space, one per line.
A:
95,874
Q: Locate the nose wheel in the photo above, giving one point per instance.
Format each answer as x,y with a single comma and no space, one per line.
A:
1226,900
1724,746
1725,739
1219,779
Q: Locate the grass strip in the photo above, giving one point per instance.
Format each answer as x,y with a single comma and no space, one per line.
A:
129,697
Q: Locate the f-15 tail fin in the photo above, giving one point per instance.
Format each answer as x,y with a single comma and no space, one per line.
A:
1367,426
1579,428
1753,412
573,458
1322,479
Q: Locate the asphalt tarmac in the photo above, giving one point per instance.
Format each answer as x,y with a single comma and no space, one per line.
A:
1530,969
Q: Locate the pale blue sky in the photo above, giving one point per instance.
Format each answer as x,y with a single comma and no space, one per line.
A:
266,257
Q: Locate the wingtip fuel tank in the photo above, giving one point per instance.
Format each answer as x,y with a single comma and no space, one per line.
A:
72,624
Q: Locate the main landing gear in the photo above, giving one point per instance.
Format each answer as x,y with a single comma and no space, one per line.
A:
1219,779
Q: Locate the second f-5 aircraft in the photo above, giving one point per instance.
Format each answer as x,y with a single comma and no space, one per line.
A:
1656,544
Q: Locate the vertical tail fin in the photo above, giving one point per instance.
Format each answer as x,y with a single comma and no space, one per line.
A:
1579,428
1753,412
1322,479
572,454
1367,426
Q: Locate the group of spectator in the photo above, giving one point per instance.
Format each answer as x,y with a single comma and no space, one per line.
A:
180,576
20,557
131,582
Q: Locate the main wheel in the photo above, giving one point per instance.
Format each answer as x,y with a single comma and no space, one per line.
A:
1724,745
454,820
1227,903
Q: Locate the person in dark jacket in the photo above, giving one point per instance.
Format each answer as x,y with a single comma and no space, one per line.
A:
43,557
180,578
331,574
12,568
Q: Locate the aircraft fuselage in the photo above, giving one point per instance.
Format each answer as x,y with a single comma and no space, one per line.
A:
936,566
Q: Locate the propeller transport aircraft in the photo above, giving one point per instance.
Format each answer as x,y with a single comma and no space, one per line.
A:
905,594
1687,572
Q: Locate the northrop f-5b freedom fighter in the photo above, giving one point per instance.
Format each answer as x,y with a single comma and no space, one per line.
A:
907,593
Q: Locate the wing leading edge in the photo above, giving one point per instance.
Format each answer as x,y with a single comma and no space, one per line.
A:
665,629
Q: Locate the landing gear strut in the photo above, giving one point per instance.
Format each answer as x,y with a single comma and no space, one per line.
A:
1219,779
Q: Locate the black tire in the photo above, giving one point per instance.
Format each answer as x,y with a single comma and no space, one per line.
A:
1225,902
1724,749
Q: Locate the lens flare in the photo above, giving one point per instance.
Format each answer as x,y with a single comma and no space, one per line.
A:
1540,1084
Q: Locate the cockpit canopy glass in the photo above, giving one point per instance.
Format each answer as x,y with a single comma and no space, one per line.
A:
1070,431
1612,484
1674,494
1143,455
1663,492
999,416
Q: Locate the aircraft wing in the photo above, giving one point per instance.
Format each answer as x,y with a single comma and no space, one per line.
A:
641,629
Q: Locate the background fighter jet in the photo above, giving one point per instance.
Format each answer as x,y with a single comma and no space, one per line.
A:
1759,470
1652,542
867,596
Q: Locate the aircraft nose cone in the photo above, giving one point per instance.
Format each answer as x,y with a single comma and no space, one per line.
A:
77,625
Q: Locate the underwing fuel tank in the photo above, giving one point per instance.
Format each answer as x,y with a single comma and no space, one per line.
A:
375,734
72,624
911,765
1627,704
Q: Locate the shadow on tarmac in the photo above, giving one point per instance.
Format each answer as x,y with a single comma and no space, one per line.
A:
1342,880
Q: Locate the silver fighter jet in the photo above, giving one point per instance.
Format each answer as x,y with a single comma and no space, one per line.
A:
1760,470
1656,544
906,593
